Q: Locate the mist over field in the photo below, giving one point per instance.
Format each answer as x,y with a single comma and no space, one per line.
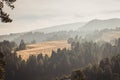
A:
60,40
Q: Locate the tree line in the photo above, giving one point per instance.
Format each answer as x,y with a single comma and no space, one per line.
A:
107,69
61,62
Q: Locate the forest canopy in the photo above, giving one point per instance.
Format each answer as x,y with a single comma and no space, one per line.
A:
61,62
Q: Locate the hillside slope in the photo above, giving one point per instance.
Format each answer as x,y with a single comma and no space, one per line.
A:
97,24
64,27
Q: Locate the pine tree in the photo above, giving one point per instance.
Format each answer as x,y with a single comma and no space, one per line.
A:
2,66
22,45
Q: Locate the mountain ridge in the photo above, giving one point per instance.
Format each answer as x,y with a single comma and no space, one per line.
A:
98,24
62,27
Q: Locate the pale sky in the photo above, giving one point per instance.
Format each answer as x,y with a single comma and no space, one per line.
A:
35,14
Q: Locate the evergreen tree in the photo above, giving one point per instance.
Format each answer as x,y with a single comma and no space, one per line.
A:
2,66
22,45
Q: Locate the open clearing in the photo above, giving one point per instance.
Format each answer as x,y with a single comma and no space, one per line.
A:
44,48
108,36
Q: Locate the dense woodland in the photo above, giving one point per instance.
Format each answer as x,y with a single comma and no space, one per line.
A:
107,69
63,61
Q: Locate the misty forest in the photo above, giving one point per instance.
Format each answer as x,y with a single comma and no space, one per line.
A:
78,50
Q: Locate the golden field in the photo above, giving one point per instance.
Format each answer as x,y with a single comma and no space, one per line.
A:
43,48
108,36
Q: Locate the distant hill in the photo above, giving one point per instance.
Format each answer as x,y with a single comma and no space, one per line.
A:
63,32
108,35
97,24
37,34
64,27
41,37
10,37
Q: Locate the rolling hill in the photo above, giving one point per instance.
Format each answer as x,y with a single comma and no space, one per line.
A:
64,27
97,24
62,32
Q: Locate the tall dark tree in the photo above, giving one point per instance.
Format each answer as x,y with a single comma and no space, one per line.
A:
22,45
2,66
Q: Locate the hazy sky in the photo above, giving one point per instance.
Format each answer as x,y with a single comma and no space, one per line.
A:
33,14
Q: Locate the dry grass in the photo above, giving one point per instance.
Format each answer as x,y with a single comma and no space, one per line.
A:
108,36
44,48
